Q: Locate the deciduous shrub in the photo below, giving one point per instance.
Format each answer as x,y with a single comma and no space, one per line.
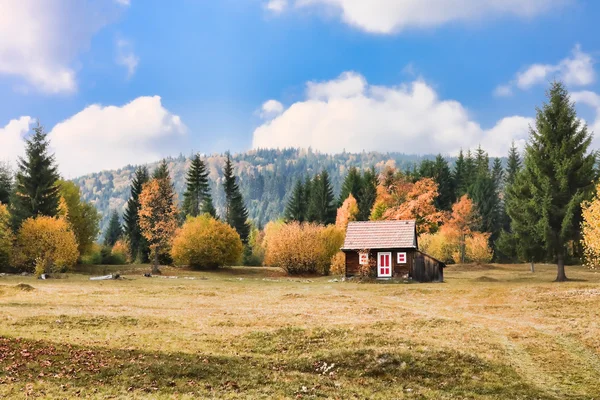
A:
478,249
338,263
6,237
46,243
302,248
120,251
204,242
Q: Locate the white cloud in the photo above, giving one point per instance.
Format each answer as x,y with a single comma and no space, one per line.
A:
110,137
39,40
11,137
271,109
576,70
592,100
348,113
276,6
389,16
125,3
126,56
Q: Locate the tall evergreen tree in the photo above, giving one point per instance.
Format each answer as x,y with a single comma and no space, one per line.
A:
197,197
459,175
443,177
236,214
367,195
36,189
137,242
482,161
498,174
470,171
162,171
6,183
114,230
296,207
321,208
351,186
513,165
557,177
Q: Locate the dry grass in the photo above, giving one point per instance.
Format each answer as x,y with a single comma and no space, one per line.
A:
489,332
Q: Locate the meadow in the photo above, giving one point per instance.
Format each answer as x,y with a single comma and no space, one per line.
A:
488,332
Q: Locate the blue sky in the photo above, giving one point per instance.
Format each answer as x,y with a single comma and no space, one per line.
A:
130,81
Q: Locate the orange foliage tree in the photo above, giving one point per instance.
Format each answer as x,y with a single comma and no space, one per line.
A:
6,236
158,217
461,223
347,212
591,231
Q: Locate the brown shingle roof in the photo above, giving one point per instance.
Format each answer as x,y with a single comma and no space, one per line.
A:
380,235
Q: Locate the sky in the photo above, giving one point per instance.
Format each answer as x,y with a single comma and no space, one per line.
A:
118,82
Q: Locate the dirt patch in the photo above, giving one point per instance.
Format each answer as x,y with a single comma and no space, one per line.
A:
24,287
485,278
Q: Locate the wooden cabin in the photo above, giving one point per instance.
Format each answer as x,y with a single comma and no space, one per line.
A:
389,250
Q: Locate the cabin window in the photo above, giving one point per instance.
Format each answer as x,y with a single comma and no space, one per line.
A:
401,258
384,265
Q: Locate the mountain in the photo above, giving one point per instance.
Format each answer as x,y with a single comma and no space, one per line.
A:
266,177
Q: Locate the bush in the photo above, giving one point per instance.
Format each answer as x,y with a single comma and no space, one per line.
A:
478,249
45,244
254,252
302,248
6,237
93,256
445,246
206,243
338,263
121,251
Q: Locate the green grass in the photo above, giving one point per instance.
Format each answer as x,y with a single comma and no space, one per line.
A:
487,333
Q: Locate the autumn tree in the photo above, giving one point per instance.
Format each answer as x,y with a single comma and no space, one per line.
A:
36,186
204,242
557,177
45,244
347,212
6,237
463,220
197,196
137,242
83,217
591,230
158,217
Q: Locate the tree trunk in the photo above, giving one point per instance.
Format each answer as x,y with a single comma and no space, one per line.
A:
561,276
532,267
155,269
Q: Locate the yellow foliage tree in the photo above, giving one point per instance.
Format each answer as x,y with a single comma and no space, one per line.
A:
121,250
158,217
302,248
206,242
461,222
347,212
591,231
478,248
46,244
6,236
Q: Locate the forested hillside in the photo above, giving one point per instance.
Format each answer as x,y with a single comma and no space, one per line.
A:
266,178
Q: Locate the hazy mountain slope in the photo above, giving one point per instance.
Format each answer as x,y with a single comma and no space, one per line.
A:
266,177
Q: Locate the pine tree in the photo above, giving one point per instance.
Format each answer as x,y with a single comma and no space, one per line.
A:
6,183
557,177
114,230
296,206
236,214
470,171
443,177
137,242
322,208
197,197
351,186
459,176
498,174
36,189
482,162
367,195
513,165
162,171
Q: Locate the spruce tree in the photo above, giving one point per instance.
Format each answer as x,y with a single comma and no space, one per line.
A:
6,183
351,186
443,177
162,171
459,176
36,188
295,209
557,177
138,244
367,195
236,214
322,208
197,197
114,231
513,165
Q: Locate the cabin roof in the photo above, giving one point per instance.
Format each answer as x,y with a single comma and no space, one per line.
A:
380,235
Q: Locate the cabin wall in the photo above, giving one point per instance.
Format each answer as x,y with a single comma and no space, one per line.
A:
427,269
399,270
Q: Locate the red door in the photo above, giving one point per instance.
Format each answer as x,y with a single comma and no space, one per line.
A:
384,265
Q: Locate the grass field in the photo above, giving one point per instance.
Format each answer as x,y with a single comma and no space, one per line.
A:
497,332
